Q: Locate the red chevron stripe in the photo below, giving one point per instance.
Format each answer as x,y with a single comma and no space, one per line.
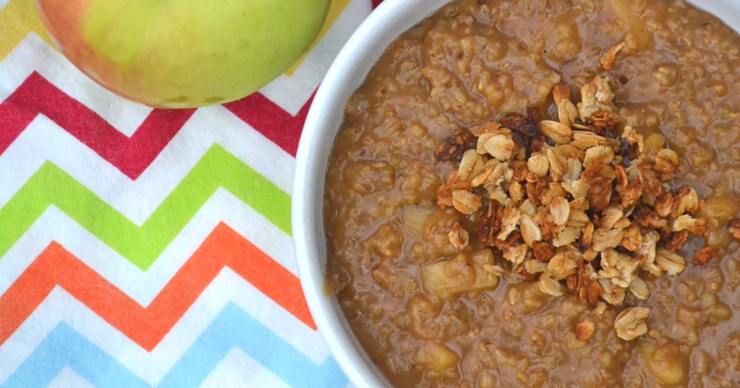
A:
146,326
132,155
271,120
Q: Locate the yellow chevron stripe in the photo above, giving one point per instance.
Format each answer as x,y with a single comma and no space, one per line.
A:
335,9
19,18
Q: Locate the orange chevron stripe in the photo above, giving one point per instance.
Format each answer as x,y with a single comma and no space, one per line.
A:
19,18
146,326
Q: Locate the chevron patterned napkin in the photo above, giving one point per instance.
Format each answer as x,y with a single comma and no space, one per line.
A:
144,247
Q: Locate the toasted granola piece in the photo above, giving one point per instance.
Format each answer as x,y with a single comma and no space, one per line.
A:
604,121
596,95
516,254
639,288
453,147
629,190
538,164
605,239
444,193
560,210
459,237
599,177
558,132
560,93
687,201
697,226
550,286
607,60
665,204
610,293
632,239
666,161
586,139
567,113
465,202
468,162
489,222
648,218
530,230
515,238
501,147
509,221
670,262
651,182
734,226
490,128
704,255
634,138
520,124
630,323
561,266
535,266
677,240
543,251
602,154
567,236
584,330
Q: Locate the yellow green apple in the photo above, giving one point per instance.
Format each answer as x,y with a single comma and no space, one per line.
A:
183,53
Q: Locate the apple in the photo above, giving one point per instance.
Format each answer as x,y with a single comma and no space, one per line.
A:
183,53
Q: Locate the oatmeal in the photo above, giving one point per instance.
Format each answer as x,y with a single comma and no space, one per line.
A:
444,285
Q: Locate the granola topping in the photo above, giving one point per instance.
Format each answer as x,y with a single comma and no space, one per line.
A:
581,212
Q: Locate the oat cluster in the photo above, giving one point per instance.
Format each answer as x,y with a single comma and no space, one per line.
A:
582,204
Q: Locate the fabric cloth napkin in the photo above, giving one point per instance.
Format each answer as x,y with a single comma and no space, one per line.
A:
143,247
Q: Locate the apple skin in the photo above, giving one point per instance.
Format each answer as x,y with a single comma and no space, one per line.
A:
183,53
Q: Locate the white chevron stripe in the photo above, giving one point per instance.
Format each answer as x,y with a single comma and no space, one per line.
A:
44,140
151,367
32,53
3,3
144,286
67,378
291,92
238,368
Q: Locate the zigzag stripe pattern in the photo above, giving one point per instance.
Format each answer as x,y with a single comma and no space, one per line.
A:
143,245
44,141
231,328
147,325
132,155
273,122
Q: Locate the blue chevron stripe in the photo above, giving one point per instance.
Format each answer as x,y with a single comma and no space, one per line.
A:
65,347
231,328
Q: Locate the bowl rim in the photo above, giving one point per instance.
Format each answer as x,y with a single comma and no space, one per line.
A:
321,127
307,200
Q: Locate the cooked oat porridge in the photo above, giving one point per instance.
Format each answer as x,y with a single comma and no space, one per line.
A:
544,193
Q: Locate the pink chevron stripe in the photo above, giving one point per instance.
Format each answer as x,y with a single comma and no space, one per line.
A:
271,120
131,155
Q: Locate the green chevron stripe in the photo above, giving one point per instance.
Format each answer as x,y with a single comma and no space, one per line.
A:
50,185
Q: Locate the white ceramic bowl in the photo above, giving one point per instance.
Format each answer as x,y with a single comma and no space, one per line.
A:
347,72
